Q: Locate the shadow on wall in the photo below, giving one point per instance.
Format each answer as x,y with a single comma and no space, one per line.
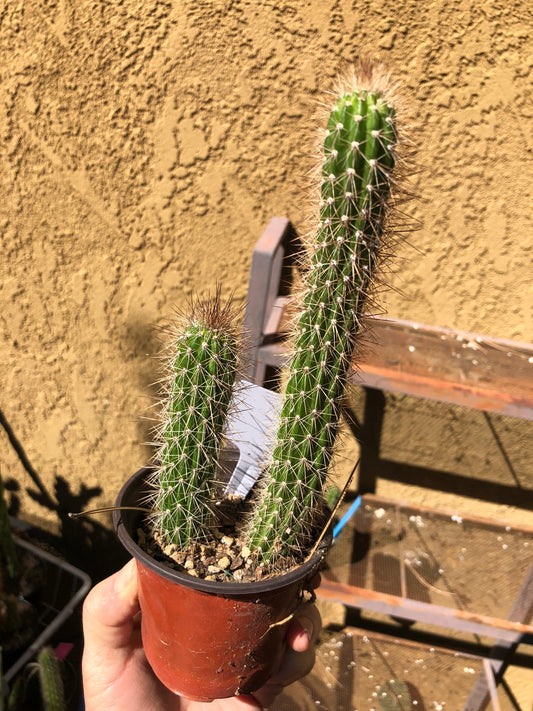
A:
82,541
144,341
85,541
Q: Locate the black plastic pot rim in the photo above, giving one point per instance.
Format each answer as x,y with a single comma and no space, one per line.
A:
214,587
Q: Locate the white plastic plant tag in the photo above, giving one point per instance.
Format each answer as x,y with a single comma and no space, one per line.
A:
251,426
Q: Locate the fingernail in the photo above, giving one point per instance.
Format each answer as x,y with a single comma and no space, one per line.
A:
307,626
125,578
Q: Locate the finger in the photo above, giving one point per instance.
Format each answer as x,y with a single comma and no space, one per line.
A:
245,702
110,608
299,657
295,666
304,629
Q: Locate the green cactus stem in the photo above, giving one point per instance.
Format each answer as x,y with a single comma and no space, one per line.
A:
358,159
203,364
51,682
15,698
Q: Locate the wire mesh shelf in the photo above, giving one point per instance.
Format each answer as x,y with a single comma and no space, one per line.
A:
465,573
63,588
360,671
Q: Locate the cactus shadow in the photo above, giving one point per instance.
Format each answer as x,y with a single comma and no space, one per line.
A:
85,543
141,340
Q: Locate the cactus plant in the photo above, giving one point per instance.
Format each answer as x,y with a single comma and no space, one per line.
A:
24,692
357,158
9,575
212,615
202,366
355,194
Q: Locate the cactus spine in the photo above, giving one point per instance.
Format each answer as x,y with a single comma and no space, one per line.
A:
203,364
358,159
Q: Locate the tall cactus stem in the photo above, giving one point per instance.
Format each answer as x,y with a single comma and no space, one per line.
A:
358,157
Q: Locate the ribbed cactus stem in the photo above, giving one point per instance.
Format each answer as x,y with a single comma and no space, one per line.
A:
358,158
15,698
51,683
203,367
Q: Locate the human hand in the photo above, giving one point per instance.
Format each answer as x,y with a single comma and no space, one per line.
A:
117,676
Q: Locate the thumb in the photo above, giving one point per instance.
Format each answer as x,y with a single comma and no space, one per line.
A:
109,610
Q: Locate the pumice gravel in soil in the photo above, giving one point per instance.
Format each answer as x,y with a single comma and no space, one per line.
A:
225,558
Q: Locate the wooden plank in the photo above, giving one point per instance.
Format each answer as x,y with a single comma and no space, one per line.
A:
263,287
456,367
424,612
446,359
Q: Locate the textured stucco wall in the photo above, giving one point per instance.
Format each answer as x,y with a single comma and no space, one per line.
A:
144,146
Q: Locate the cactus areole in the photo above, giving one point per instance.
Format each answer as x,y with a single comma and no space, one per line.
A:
358,158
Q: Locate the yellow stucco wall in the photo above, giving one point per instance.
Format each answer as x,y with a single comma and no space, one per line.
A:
144,146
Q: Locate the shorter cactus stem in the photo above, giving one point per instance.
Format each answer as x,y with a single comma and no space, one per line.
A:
203,367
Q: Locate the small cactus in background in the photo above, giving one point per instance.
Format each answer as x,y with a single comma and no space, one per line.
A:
24,692
50,680
202,364
359,154
9,575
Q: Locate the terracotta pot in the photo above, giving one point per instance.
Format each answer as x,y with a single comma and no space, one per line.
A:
204,639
